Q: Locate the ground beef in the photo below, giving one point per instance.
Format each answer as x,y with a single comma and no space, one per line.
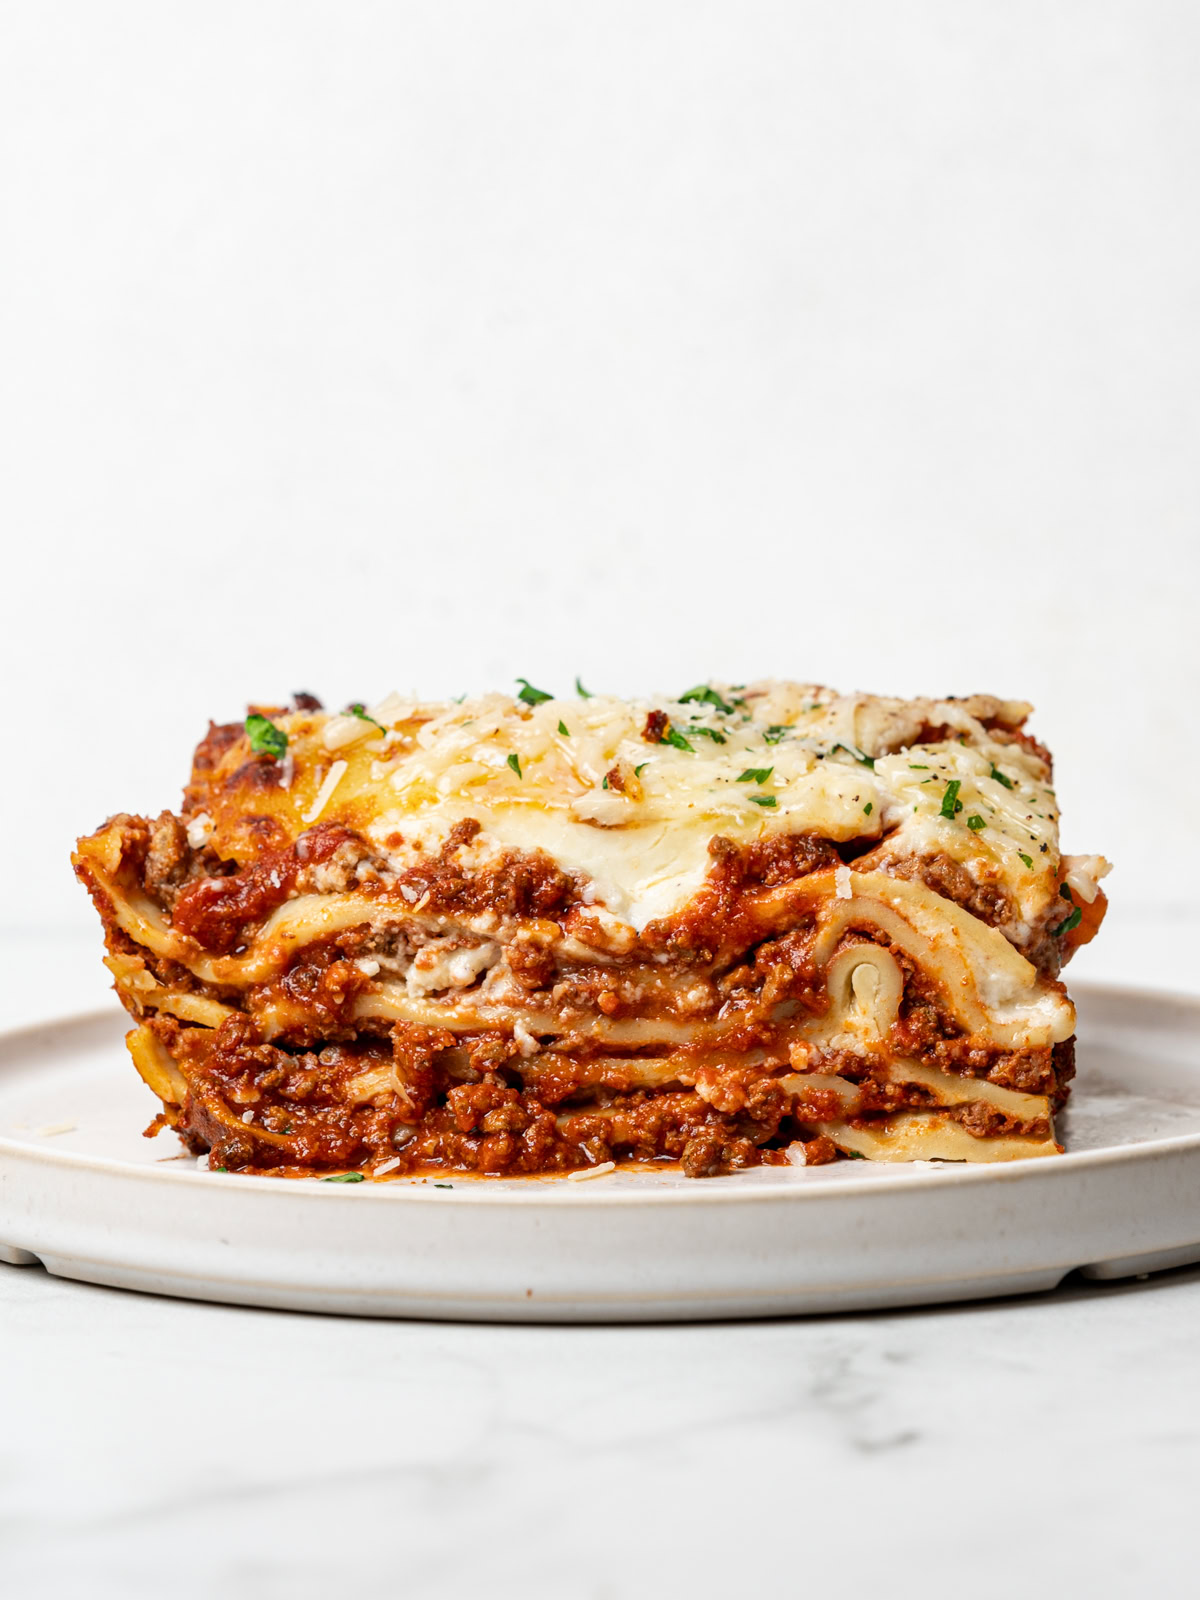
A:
168,859
524,884
923,1032
788,972
1063,1058
950,878
533,966
302,1116
720,922
985,1121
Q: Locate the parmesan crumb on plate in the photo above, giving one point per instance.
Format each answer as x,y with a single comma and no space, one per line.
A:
592,1172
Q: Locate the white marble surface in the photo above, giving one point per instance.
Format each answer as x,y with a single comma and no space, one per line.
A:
151,1447
1037,1448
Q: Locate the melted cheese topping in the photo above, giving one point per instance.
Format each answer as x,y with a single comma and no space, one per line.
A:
581,780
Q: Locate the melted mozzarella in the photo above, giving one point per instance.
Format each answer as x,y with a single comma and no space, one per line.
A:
580,780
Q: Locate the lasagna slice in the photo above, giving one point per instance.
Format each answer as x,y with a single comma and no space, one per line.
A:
755,924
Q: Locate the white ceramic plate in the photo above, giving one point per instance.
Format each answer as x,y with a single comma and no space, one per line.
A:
83,1193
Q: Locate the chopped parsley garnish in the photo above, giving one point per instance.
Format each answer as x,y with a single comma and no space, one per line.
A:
532,696
863,760
762,800
443,1186
673,736
637,771
265,738
1064,890
604,784
1000,778
360,711
345,1177
584,694
919,766
852,1155
1028,860
707,733
708,696
514,763
868,808
755,775
776,732
563,729
975,823
1070,922
951,804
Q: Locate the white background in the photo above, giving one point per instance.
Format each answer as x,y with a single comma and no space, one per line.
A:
350,347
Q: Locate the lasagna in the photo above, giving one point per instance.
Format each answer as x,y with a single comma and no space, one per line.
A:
513,935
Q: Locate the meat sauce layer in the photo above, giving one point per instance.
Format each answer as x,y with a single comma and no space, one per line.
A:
474,1103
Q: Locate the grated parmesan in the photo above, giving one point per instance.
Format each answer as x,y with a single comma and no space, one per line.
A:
200,830
525,1040
592,1172
325,793
1082,874
341,731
